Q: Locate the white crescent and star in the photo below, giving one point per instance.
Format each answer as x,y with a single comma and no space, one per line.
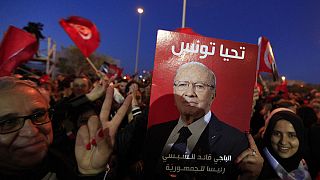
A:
83,31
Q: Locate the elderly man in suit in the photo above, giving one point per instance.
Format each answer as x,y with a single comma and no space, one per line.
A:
198,145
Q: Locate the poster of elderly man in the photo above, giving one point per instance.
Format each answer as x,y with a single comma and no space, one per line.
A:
200,107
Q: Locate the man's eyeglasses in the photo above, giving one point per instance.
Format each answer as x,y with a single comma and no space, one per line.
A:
13,124
198,86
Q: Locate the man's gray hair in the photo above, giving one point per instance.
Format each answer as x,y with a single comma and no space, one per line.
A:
193,63
8,83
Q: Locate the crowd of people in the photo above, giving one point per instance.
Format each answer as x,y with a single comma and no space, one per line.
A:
85,128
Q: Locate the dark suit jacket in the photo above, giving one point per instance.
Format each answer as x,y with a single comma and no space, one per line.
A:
217,139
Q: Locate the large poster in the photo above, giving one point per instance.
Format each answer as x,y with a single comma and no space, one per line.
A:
201,102
233,63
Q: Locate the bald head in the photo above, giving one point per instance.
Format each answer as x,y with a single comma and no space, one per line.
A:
10,83
193,68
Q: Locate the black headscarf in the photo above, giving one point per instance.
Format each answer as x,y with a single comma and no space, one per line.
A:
292,162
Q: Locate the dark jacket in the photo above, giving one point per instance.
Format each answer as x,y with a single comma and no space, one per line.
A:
218,139
54,164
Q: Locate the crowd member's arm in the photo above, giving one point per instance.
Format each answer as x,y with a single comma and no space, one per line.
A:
97,92
66,105
134,132
95,141
250,161
135,106
127,137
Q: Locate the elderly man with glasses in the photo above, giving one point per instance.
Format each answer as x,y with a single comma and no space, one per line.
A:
198,145
26,135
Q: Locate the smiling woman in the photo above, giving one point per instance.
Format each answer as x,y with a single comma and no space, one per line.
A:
283,146
284,140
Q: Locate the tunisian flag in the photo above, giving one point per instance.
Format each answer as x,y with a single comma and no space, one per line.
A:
266,60
83,33
17,47
111,69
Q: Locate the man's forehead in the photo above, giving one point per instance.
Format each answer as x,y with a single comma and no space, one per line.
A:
192,71
21,99
18,87
21,91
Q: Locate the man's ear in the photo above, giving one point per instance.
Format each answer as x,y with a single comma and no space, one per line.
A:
213,94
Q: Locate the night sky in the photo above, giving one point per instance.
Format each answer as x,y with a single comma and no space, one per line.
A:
291,26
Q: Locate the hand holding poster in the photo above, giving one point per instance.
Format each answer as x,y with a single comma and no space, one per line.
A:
200,104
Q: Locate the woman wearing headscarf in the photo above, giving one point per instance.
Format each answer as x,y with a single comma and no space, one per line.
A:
283,147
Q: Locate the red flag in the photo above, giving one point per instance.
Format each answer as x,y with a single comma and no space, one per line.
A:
111,69
44,79
115,69
282,89
17,47
266,59
83,33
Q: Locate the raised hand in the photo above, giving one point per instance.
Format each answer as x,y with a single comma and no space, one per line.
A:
99,90
250,161
95,141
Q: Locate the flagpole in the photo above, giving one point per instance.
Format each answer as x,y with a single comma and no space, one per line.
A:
94,68
140,11
264,85
48,58
184,14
